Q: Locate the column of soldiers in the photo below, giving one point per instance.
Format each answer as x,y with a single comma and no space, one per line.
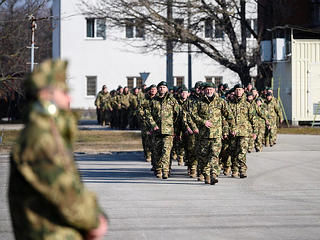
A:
207,129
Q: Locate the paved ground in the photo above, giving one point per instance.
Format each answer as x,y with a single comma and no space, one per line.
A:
279,200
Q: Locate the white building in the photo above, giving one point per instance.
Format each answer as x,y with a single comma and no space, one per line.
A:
97,57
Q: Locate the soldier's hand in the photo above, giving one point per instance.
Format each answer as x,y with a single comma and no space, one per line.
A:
233,134
111,109
208,124
189,131
225,136
156,128
196,131
267,122
254,136
100,231
281,121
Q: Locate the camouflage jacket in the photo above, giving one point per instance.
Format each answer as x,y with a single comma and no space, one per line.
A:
213,111
189,108
244,115
166,113
274,110
262,114
103,100
97,101
123,101
46,196
143,106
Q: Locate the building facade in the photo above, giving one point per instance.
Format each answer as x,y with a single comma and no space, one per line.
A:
99,54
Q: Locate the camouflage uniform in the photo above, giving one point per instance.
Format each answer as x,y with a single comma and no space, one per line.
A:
245,124
274,110
46,196
262,119
132,115
209,144
98,107
164,112
122,104
104,102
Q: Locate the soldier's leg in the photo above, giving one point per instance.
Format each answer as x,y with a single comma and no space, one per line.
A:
180,151
205,153
250,144
216,146
273,134
259,139
234,150
242,156
98,116
165,155
157,154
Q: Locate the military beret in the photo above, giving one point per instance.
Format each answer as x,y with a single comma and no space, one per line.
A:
198,84
254,88
220,85
119,87
259,99
152,86
225,86
50,73
239,85
184,88
210,85
249,94
192,90
269,94
162,83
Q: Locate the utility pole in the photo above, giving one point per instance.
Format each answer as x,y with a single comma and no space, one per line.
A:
189,50
33,29
169,47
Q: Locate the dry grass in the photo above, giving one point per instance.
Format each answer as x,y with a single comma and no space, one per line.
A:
89,141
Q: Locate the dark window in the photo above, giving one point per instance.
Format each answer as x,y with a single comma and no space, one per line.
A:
129,28
315,13
91,85
138,82
101,28
179,81
218,33
217,80
208,79
90,27
139,29
208,28
130,82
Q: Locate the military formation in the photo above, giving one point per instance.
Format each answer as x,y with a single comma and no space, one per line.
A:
209,129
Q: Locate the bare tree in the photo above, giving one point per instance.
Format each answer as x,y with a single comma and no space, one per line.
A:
229,17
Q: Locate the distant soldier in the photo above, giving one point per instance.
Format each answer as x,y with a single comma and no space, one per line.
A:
275,113
208,118
245,127
263,123
46,196
97,103
163,114
132,115
104,102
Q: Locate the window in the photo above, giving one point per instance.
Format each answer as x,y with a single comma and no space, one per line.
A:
217,80
130,81
208,28
179,81
315,13
253,23
96,28
135,28
218,32
91,85
129,28
208,79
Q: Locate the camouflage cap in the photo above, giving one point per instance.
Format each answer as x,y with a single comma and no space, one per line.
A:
50,73
209,85
198,84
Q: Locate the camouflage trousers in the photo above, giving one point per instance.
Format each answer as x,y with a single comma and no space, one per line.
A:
251,142
271,134
146,143
162,146
225,154
189,142
239,148
260,136
178,150
208,150
98,115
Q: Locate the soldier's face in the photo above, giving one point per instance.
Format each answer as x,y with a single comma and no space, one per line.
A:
153,91
269,98
162,90
209,91
249,87
120,90
250,98
105,90
184,94
254,92
61,98
239,92
259,103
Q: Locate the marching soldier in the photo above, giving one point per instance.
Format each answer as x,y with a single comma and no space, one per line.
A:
97,103
208,118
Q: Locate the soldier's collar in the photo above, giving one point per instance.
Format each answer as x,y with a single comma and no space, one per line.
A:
47,108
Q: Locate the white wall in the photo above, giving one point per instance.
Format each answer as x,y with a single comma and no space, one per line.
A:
113,60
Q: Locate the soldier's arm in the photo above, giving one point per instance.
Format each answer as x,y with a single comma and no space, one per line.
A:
252,116
278,110
151,122
228,116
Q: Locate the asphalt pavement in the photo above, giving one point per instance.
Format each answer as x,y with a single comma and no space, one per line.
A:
280,199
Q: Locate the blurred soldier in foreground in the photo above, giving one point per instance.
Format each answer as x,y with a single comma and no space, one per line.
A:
46,197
